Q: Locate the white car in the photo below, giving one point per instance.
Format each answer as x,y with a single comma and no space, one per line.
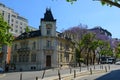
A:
117,62
1,70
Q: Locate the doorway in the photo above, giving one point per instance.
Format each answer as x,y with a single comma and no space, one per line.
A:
48,61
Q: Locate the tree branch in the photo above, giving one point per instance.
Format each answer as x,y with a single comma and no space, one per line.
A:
110,2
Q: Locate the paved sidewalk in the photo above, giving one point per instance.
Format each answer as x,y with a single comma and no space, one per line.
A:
2,75
71,76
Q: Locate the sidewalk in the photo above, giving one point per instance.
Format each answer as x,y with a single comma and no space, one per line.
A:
2,75
71,76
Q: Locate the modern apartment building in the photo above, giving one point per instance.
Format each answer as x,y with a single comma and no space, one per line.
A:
17,23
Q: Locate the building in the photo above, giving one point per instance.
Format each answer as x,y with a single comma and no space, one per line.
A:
32,28
43,48
18,25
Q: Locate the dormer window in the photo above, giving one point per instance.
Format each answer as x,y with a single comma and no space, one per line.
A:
48,29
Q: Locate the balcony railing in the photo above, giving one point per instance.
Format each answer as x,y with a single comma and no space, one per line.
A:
23,49
48,47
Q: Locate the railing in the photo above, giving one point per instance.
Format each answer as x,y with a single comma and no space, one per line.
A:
49,47
23,49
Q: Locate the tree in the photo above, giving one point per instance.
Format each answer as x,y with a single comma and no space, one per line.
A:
76,33
6,38
27,29
118,51
104,2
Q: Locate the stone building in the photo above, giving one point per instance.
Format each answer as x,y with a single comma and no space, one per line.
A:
43,48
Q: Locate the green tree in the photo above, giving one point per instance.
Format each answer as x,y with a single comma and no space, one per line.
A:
104,2
6,38
27,29
118,51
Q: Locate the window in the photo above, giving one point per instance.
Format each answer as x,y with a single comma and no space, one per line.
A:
23,57
16,30
11,24
17,22
14,58
8,15
34,45
60,46
48,28
48,43
15,46
3,13
20,27
48,31
66,55
20,23
12,20
16,26
11,29
33,57
61,57
20,31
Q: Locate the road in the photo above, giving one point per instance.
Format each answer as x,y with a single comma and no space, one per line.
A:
31,75
113,74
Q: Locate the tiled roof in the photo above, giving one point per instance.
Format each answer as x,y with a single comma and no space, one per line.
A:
31,34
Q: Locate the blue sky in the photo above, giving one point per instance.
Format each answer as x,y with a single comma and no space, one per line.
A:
87,12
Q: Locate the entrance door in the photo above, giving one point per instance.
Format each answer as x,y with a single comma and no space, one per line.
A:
48,61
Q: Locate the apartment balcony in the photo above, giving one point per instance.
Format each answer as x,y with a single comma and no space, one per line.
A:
48,48
23,49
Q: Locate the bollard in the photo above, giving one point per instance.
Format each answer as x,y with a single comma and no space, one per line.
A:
36,78
70,70
59,74
94,66
102,66
74,73
80,68
43,74
91,71
21,76
109,67
105,68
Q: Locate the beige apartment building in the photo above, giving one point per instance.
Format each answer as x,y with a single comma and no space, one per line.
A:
43,48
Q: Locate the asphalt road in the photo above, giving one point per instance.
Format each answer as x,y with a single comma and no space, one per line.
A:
113,74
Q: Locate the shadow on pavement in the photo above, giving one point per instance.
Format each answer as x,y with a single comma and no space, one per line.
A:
113,75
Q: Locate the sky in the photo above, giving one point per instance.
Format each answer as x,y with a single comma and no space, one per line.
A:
87,12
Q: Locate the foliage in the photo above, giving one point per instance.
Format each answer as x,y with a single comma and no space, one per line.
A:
87,43
6,38
104,2
27,29
118,51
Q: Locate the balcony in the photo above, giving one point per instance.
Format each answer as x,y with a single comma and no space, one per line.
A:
48,48
23,49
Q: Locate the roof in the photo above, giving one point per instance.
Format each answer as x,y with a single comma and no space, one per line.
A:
31,34
48,16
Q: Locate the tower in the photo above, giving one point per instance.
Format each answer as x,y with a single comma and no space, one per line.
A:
48,24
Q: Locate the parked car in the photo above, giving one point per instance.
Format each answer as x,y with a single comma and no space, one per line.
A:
1,70
117,62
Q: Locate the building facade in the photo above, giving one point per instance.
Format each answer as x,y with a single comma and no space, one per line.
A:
17,23
43,48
